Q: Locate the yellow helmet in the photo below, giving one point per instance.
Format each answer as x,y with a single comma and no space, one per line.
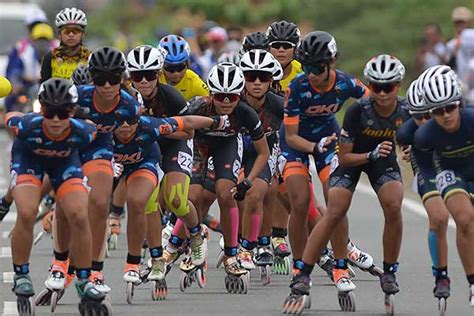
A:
42,30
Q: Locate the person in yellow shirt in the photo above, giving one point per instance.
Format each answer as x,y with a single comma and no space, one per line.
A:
63,60
283,37
176,71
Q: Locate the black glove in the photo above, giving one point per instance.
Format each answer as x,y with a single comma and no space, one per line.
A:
220,122
241,189
374,154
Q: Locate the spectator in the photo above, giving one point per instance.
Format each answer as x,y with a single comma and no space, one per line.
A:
432,50
462,19
216,38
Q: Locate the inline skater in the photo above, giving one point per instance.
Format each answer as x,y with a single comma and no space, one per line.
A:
61,61
366,145
57,155
448,137
226,82
162,100
438,214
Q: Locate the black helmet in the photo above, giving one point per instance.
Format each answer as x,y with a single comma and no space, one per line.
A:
107,59
316,47
81,75
255,40
283,31
57,92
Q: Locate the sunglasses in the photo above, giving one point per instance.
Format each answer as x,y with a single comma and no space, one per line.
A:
226,97
285,45
51,112
421,116
252,76
314,69
175,67
75,30
101,78
138,76
131,120
445,109
385,87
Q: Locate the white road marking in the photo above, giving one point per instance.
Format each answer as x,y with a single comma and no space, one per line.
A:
8,277
413,206
9,308
5,252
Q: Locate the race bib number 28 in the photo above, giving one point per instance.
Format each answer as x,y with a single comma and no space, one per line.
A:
445,179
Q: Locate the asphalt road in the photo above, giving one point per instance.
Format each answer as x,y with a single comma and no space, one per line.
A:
366,223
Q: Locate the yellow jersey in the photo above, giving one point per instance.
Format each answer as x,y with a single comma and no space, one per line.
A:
63,66
296,69
190,86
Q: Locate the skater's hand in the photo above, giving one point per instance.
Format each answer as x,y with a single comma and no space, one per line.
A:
406,153
320,147
118,169
381,151
239,190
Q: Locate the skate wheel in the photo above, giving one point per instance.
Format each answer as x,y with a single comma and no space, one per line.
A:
25,306
129,291
183,282
390,304
200,278
43,298
54,300
113,242
442,306
287,266
347,301
245,280
220,258
265,274
159,290
106,308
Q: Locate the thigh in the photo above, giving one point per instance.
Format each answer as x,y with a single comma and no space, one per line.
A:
97,157
227,158
345,178
382,171
177,156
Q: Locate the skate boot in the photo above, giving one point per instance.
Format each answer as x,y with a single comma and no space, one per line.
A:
327,262
264,260
236,279
390,287
132,278
245,258
170,255
23,289
45,206
220,256
166,234
299,297
441,291
4,208
114,230
198,248
344,286
97,278
282,264
159,288
55,285
362,260
191,273
93,301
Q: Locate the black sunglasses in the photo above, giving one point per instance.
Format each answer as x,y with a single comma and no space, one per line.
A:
285,45
421,116
101,78
175,67
445,109
385,87
51,112
138,76
251,76
314,69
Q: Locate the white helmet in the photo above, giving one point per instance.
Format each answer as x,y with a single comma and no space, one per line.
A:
226,78
145,57
384,69
229,57
440,87
277,71
416,103
71,16
257,60
35,15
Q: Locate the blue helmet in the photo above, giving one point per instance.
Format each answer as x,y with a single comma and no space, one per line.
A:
177,48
